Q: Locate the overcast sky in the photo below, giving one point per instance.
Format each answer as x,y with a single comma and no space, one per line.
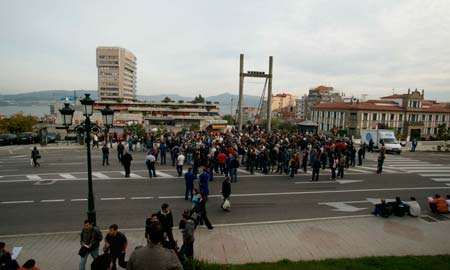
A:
190,47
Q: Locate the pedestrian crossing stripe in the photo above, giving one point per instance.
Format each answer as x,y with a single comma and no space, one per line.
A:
248,172
430,170
434,174
133,175
100,175
441,179
34,177
358,170
158,173
370,168
67,176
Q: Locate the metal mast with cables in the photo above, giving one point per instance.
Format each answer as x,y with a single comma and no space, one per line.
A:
255,74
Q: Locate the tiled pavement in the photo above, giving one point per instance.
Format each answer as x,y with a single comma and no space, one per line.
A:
358,236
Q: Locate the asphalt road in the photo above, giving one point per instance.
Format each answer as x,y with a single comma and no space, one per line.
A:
53,198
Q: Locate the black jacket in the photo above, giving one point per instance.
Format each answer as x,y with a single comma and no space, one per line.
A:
226,189
126,159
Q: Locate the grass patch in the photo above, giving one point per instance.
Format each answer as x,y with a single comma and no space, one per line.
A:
441,262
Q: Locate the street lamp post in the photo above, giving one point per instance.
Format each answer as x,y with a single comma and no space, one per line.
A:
108,120
67,114
88,105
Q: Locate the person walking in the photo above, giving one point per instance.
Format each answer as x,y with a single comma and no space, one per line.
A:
202,217
163,151
204,183
95,141
150,161
120,150
165,217
189,178
413,145
334,164
316,169
187,227
234,165
180,163
116,244
105,153
226,192
305,160
341,166
381,158
126,162
360,155
35,155
90,239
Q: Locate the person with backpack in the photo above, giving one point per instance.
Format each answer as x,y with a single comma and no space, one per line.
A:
35,156
90,239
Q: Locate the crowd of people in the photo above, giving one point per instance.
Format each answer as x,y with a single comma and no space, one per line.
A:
162,249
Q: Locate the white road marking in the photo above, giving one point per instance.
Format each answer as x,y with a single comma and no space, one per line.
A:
11,170
430,170
45,182
336,181
434,174
343,207
441,179
248,172
370,168
17,202
165,175
358,170
34,177
133,175
67,176
141,198
100,175
69,163
58,200
112,199
78,200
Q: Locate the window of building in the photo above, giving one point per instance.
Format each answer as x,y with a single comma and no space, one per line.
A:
374,117
383,117
329,114
443,118
365,116
437,117
414,104
423,117
428,131
351,131
399,130
334,114
353,116
392,117
400,117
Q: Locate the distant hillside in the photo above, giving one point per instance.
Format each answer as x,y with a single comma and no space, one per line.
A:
227,102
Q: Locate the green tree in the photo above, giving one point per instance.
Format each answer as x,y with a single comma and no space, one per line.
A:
286,125
195,127
442,132
167,100
137,129
18,123
199,99
229,119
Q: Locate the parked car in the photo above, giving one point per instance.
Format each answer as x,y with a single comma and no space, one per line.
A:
53,137
8,139
28,137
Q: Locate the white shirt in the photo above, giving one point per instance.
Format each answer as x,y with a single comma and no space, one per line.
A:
180,160
448,204
151,158
414,208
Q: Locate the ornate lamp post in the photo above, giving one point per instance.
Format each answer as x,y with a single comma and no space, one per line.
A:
108,120
67,114
88,106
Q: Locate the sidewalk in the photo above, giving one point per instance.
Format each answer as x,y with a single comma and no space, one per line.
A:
316,239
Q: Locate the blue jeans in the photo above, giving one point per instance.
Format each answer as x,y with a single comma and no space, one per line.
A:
233,174
163,157
94,254
180,170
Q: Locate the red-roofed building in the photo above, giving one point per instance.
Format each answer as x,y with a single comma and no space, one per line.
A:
316,96
407,114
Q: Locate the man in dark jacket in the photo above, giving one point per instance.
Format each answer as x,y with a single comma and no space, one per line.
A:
126,162
120,149
105,152
166,219
226,190
116,243
189,178
316,169
90,239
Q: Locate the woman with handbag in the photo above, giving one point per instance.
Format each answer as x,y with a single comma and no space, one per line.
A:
35,156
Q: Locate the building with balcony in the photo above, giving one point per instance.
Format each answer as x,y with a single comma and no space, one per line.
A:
409,115
116,74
